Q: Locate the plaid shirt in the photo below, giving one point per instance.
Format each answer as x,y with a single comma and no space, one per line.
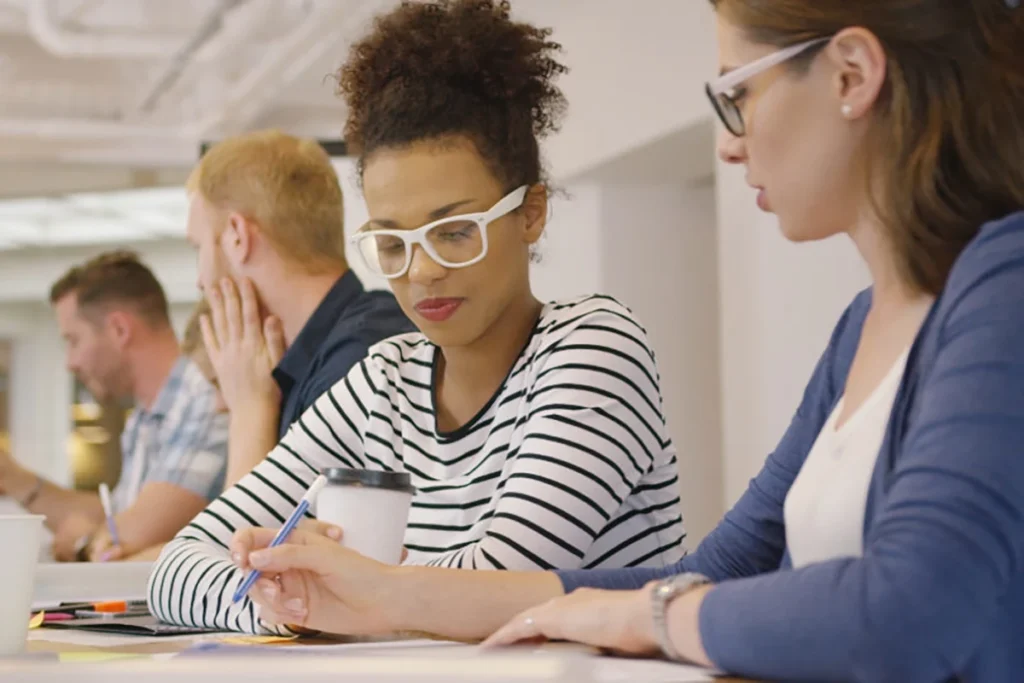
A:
181,440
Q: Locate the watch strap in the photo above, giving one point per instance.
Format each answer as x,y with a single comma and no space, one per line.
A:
663,594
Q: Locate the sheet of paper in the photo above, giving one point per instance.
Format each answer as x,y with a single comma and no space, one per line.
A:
95,657
383,645
90,581
620,670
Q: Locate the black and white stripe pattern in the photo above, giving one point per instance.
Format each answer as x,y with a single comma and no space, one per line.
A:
569,466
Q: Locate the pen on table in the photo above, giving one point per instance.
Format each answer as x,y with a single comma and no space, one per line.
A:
283,534
108,512
50,617
99,606
117,608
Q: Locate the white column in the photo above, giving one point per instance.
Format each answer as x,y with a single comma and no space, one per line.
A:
40,391
658,243
779,303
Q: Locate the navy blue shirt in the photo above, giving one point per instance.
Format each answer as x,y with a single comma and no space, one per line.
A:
337,336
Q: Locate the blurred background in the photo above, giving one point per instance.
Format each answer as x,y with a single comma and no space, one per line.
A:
106,104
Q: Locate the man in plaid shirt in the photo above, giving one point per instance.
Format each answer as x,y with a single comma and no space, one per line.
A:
113,315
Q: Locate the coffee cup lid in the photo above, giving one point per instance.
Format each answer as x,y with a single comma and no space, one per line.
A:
392,481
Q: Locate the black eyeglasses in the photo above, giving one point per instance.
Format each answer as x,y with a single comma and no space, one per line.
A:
722,91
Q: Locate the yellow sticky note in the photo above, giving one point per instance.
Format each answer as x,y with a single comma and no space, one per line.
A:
36,621
96,657
256,640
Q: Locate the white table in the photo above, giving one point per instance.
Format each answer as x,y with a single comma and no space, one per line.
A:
378,662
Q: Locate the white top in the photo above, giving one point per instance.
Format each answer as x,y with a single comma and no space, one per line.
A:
824,509
569,466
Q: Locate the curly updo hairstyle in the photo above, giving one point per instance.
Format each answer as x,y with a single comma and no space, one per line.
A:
447,68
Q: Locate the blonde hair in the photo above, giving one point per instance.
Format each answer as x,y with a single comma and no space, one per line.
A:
285,184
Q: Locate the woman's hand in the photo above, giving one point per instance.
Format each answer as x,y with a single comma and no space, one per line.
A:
620,621
102,548
313,582
615,620
74,533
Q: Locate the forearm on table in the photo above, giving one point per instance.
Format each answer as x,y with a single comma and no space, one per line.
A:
52,501
148,555
192,585
462,604
252,435
161,510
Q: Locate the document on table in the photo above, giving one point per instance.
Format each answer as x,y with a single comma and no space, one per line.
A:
89,582
90,639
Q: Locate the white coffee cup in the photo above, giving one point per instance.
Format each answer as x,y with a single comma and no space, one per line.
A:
371,507
20,536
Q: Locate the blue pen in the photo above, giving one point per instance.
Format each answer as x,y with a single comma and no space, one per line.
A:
108,512
283,534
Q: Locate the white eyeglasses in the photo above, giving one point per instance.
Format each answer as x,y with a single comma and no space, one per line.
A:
720,90
453,242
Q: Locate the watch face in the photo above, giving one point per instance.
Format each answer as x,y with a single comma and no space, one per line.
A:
665,589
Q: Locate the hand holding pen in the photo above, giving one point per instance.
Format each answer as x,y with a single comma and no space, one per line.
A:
283,534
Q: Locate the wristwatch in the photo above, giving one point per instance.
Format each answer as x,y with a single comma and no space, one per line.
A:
664,593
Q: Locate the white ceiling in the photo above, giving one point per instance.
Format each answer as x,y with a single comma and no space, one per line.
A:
93,218
124,217
143,82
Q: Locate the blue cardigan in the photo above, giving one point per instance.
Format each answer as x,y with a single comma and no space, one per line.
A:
939,591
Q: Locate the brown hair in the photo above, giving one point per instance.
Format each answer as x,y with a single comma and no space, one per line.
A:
285,184
432,70
116,278
947,152
192,340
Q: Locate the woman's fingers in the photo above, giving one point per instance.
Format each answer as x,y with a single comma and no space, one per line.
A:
317,554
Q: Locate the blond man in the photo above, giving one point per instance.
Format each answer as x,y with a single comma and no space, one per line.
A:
266,218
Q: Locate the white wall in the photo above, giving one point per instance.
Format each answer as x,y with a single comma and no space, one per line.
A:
570,255
779,303
659,245
40,390
636,73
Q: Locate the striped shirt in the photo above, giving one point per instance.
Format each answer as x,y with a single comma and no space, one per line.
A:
181,439
569,465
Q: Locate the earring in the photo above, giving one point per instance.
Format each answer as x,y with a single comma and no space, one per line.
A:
847,111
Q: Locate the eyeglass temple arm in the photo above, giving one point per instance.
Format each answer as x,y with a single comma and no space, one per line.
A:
513,200
733,78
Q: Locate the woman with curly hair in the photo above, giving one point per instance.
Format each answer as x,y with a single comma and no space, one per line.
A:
533,432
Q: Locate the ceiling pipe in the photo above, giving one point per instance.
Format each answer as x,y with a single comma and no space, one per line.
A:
57,40
210,27
326,24
318,14
281,66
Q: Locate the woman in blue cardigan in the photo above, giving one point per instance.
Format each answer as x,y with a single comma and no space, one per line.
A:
884,538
